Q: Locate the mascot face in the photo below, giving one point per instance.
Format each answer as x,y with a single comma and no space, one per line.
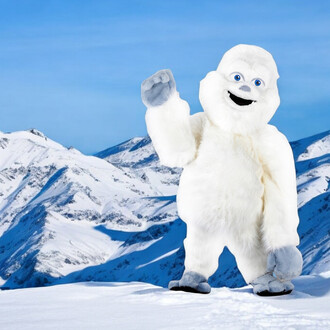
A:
241,95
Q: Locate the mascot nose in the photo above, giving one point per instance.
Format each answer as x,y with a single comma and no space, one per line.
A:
245,88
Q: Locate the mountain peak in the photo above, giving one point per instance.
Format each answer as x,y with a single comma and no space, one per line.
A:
37,132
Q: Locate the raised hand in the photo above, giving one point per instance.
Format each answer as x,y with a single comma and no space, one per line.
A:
158,88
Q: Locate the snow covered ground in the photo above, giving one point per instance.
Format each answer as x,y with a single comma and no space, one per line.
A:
139,305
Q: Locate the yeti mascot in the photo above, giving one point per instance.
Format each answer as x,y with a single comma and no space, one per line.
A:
238,186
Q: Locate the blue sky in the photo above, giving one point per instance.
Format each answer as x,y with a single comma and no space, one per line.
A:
73,69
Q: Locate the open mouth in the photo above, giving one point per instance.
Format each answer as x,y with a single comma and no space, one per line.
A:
239,100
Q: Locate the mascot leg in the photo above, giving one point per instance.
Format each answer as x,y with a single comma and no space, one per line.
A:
202,253
251,261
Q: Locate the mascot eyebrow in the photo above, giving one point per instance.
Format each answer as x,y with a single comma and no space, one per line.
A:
238,185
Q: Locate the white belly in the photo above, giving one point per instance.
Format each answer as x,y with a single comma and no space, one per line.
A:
222,188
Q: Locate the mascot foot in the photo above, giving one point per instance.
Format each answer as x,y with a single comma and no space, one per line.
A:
268,285
191,282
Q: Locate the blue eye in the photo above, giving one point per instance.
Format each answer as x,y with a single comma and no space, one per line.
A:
257,82
237,77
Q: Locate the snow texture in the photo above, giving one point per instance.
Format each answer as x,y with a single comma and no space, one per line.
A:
144,306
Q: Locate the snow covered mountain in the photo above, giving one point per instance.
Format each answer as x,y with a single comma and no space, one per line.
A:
56,206
67,217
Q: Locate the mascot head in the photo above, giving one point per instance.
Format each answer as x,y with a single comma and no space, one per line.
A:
241,96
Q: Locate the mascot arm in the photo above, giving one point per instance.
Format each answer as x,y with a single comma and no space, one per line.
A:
280,218
174,133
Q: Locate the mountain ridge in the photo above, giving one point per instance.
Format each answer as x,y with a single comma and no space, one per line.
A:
67,217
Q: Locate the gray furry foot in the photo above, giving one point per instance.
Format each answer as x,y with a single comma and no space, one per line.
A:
285,263
158,88
191,282
268,285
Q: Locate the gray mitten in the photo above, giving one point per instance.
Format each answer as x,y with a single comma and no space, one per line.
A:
158,88
285,263
191,282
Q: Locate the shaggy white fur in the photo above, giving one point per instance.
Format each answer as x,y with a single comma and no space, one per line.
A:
238,186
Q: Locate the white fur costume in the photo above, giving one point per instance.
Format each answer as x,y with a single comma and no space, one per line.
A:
238,185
